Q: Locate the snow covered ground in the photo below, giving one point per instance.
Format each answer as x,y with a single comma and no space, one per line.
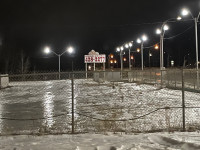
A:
111,109
154,141
45,107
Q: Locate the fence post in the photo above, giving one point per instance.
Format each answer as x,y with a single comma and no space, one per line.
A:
175,77
183,100
168,78
161,75
150,77
72,82
136,76
142,75
193,80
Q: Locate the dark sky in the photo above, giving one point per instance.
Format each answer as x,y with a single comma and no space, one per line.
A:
102,25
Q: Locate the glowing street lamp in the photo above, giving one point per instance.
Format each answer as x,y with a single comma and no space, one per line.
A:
132,57
70,50
158,31
144,38
126,45
161,32
48,50
141,41
156,47
179,18
186,12
111,56
120,50
129,45
166,27
150,55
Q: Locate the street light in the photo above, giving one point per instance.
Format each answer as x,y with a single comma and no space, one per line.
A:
129,45
141,41
186,12
156,47
150,55
48,50
179,18
70,50
138,50
161,32
120,49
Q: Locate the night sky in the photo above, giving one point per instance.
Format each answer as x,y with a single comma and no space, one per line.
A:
30,25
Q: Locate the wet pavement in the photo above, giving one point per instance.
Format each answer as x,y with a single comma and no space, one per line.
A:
30,106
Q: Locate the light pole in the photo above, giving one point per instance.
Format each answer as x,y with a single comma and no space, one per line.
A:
186,12
69,50
161,31
129,45
120,49
150,55
141,41
136,51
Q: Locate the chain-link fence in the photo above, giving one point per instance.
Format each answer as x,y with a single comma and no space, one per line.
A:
100,102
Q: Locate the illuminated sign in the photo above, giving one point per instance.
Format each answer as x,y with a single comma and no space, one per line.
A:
95,58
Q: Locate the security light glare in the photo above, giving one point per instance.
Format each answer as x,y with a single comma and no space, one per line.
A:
70,50
138,50
47,50
156,46
122,48
118,49
185,12
166,27
144,37
139,41
130,44
158,31
126,45
179,18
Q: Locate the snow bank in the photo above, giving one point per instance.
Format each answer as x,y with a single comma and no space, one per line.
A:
155,141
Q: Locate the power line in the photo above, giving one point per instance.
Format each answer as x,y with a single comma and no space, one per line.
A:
179,33
151,23
174,36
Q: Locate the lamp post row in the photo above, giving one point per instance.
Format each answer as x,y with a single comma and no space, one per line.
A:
120,49
162,31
